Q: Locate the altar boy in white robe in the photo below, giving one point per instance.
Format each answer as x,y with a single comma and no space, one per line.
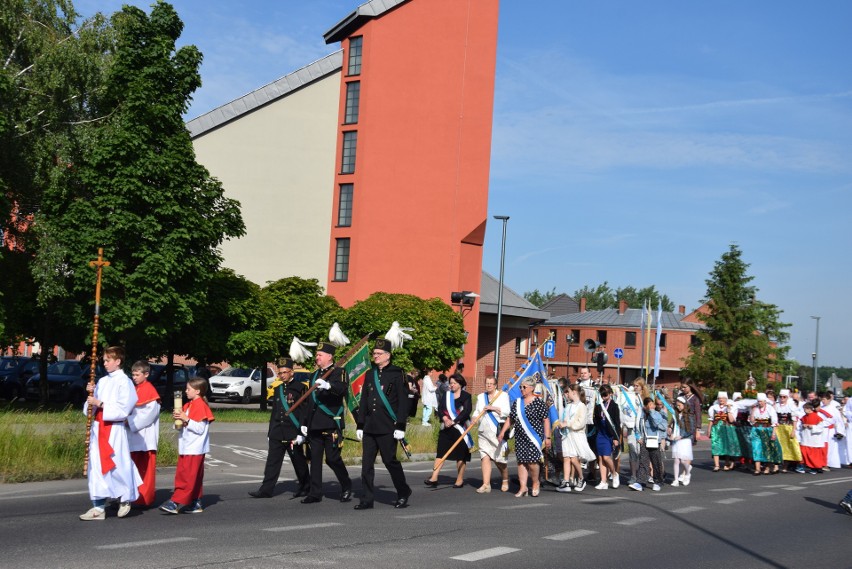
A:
112,475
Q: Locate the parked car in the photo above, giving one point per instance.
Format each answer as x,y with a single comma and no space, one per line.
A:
237,384
66,382
14,373
159,378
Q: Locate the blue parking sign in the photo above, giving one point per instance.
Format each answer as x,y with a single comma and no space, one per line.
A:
549,349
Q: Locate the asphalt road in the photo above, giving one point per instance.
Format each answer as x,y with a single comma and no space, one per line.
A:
721,520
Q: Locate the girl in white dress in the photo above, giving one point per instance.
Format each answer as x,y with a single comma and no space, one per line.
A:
575,446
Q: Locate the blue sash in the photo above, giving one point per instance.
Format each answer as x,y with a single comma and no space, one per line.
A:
451,410
525,424
491,414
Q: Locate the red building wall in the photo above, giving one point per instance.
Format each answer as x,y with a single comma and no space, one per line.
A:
423,153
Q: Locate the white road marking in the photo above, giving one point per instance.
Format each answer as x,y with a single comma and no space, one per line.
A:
687,510
432,515
248,452
729,501
793,488
831,481
671,493
523,506
602,500
145,543
764,494
725,489
571,535
634,521
485,554
299,528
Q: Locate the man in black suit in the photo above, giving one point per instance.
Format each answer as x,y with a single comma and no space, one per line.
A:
381,424
324,423
284,434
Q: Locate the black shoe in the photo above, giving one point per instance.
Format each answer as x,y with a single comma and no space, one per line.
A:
401,502
431,483
311,500
346,496
259,494
364,506
300,493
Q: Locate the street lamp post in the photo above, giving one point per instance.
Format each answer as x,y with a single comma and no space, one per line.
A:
816,351
504,219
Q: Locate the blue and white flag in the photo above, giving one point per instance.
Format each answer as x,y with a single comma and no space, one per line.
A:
659,333
532,367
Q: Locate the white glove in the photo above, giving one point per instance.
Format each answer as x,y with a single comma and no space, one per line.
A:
300,440
323,384
399,435
304,430
359,434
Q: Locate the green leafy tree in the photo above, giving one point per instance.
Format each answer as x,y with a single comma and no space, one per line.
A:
597,298
287,307
51,72
742,335
539,298
139,192
636,298
438,336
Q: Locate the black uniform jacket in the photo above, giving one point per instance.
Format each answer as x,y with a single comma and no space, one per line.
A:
373,416
281,426
334,399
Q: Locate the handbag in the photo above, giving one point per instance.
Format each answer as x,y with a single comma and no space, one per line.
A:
652,442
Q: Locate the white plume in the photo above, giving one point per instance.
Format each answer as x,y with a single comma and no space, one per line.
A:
397,335
337,337
298,351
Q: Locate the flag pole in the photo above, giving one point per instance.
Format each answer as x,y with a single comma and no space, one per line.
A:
352,351
99,264
513,381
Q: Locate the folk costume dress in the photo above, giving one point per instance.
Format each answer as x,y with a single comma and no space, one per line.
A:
723,435
528,421
458,410
144,437
112,473
193,446
574,441
835,436
788,416
490,425
764,444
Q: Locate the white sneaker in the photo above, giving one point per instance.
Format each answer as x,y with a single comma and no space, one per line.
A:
581,485
681,477
636,486
602,486
676,482
687,479
655,487
564,487
94,514
123,509
616,480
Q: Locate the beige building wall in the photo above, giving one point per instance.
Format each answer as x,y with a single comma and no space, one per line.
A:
278,161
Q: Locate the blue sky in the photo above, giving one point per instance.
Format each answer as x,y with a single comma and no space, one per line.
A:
633,142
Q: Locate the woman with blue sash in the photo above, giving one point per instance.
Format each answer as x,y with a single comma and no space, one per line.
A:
454,411
529,416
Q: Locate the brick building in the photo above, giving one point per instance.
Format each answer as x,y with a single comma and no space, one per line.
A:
617,328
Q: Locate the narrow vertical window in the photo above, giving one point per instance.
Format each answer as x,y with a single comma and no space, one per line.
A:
344,206
350,141
354,67
341,260
353,96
